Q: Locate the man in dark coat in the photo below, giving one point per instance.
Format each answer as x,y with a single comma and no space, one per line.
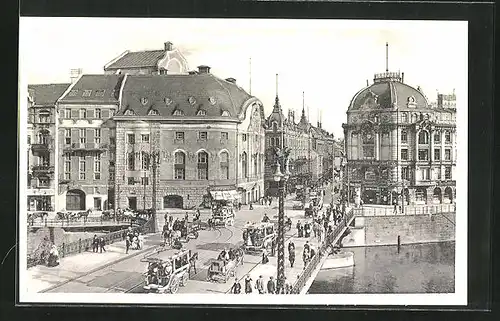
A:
95,243
271,286
102,243
236,288
291,253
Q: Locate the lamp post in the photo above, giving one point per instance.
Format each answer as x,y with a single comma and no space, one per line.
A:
281,178
155,158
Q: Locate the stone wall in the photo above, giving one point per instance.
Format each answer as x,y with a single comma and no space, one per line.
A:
379,230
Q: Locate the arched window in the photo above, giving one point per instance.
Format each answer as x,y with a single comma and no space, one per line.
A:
178,112
83,113
224,165
225,113
180,165
129,112
201,113
368,140
404,117
153,112
275,126
244,164
404,136
423,137
202,165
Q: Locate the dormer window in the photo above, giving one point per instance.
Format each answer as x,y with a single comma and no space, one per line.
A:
178,112
87,93
73,93
129,112
225,113
153,112
201,113
99,93
144,101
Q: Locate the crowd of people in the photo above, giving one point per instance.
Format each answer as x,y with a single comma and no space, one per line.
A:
260,286
133,240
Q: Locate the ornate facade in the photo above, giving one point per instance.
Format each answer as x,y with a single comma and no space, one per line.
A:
208,133
398,144
84,170
311,148
42,156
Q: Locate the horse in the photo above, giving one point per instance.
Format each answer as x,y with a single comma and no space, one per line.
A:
85,214
35,215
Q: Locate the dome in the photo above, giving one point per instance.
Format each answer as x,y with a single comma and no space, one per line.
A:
389,91
192,95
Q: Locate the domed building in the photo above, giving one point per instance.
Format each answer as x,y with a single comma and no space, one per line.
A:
207,131
399,147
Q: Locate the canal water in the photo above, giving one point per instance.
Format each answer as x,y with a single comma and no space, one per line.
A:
419,268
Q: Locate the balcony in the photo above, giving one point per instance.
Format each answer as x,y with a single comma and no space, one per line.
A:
85,147
42,170
41,147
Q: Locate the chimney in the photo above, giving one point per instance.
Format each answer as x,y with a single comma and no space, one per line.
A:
74,74
367,83
403,77
231,80
168,46
203,69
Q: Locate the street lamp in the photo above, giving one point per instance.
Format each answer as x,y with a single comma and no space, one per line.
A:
281,178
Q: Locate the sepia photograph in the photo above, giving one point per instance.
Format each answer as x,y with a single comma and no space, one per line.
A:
242,161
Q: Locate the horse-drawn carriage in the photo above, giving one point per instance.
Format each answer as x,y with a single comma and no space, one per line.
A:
225,266
35,215
72,216
222,214
180,231
165,276
258,236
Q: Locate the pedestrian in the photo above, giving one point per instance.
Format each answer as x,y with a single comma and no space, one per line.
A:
305,257
265,257
273,247
307,246
270,201
127,244
141,240
102,243
95,243
259,285
312,252
288,287
248,284
236,288
271,286
186,217
250,206
395,211
299,229
291,254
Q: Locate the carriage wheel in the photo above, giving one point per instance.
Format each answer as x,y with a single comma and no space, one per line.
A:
184,279
174,285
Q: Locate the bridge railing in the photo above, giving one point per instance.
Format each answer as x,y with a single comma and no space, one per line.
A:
408,210
39,222
323,250
40,255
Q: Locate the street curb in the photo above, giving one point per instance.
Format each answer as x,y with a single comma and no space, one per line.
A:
99,268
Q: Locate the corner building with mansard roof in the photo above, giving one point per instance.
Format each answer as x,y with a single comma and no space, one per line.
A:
207,131
399,147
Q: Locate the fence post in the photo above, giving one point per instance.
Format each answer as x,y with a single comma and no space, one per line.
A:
80,245
45,222
63,249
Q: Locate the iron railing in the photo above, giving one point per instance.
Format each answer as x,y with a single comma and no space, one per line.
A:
83,245
89,221
324,250
408,210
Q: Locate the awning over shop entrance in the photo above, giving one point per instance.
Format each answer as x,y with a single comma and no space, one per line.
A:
224,195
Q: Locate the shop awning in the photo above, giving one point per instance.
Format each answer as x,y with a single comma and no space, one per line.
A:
224,195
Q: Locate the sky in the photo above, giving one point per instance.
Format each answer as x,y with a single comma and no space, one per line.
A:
328,60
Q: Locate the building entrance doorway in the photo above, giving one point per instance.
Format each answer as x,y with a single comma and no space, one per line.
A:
370,196
132,203
97,204
448,195
75,200
173,201
436,196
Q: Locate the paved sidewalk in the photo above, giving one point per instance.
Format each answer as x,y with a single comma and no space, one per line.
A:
42,277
